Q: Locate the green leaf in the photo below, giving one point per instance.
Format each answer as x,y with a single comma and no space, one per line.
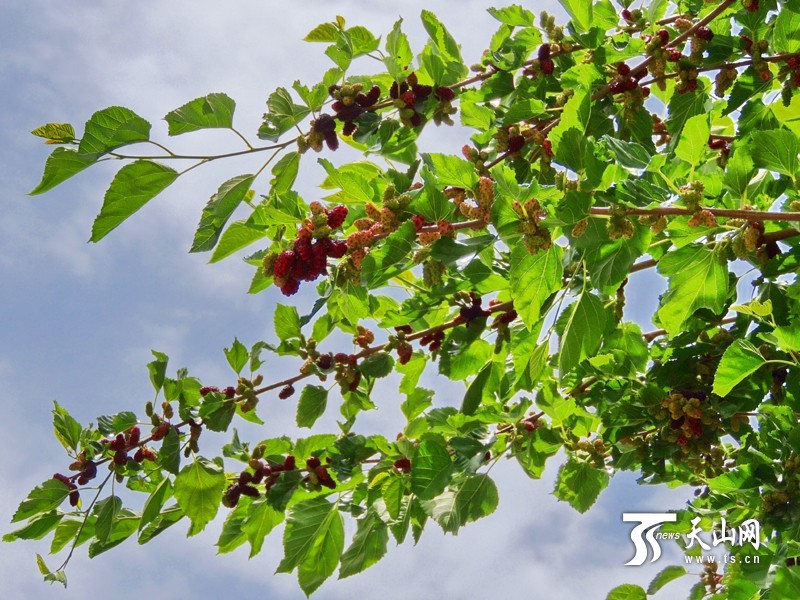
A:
368,545
693,141
157,369
107,511
198,490
628,154
208,112
56,133
287,322
580,484
583,325
282,116
468,500
441,38
60,166
513,15
155,501
581,13
238,235
740,360
43,498
169,457
627,591
475,391
533,278
451,170
111,128
786,35
398,51
285,172
696,280
736,480
260,521
132,187
388,260
377,365
666,575
776,150
786,584
313,540
325,32
431,468
237,356
67,429
311,406
218,210
36,528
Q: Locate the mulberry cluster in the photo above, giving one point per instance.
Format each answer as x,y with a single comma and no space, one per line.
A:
349,103
432,340
693,425
74,495
660,131
445,109
471,308
323,129
624,81
535,237
347,374
247,481
542,65
477,203
364,337
618,224
408,97
308,258
692,195
318,476
87,469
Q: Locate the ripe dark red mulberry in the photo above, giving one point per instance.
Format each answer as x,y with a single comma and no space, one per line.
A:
338,249
341,357
547,66
290,287
207,389
134,434
63,479
626,14
289,463
118,443
324,477
324,124
160,432
419,222
283,264
336,216
286,392
325,362
704,33
445,93
515,143
249,490
716,143
120,457
544,52
403,465
623,70
312,463
663,36
230,391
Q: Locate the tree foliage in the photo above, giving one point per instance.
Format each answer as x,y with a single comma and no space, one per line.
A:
664,137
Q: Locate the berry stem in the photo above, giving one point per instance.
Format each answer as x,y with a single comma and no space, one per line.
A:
649,337
750,215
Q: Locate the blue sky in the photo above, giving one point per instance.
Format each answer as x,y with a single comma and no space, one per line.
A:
78,320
